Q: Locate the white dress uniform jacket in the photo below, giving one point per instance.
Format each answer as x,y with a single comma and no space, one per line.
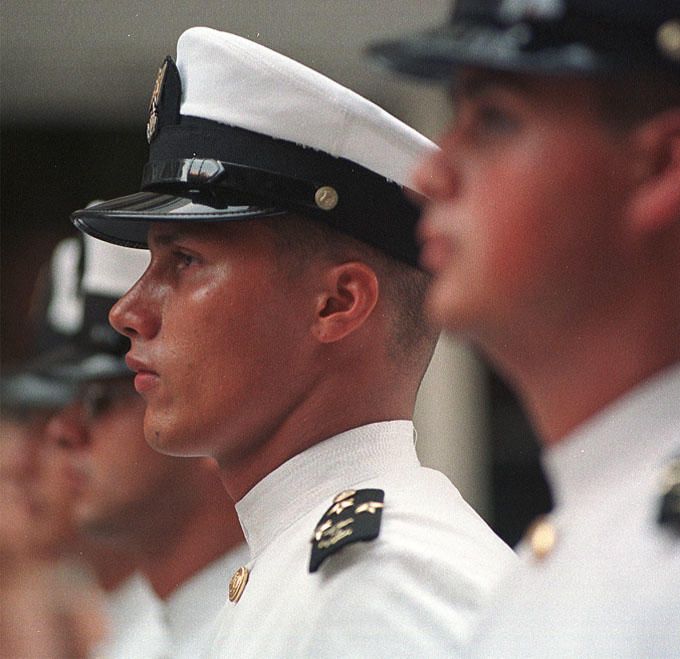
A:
610,587
189,613
411,592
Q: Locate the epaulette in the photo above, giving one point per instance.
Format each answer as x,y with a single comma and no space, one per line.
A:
669,510
355,515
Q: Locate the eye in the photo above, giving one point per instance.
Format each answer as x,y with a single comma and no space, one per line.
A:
494,119
184,259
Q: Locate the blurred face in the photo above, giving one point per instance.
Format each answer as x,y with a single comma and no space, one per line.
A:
218,333
37,497
122,487
526,201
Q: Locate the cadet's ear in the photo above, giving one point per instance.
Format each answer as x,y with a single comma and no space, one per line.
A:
656,204
348,298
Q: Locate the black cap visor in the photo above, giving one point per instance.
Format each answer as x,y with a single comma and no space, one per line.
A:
23,391
73,363
436,54
125,220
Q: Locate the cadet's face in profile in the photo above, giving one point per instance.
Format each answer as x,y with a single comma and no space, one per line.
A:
525,199
40,472
217,330
120,483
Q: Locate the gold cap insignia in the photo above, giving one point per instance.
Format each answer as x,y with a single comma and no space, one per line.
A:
668,39
237,584
152,123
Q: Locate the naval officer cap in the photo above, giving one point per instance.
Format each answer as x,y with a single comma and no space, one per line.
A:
237,131
75,342
555,37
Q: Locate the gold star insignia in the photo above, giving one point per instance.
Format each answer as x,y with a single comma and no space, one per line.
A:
369,507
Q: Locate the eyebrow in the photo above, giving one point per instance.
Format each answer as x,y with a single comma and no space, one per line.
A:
479,83
164,237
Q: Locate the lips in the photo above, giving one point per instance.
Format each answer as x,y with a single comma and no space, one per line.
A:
146,377
436,248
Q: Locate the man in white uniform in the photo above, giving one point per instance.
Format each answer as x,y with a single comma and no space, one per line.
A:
278,329
553,232
169,516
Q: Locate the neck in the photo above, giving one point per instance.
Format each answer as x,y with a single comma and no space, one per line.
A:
111,567
566,377
205,534
321,414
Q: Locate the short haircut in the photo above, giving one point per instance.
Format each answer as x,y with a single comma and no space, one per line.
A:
402,286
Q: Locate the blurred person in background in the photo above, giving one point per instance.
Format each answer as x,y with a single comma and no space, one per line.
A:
50,601
175,524
171,515
553,232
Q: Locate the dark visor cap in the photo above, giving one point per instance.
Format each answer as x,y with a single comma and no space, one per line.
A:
553,37
203,171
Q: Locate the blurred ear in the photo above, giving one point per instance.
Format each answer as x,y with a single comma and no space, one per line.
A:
346,302
656,204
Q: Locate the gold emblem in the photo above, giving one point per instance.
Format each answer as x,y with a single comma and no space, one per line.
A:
340,506
345,494
321,529
326,198
668,39
369,507
237,584
334,533
542,537
152,123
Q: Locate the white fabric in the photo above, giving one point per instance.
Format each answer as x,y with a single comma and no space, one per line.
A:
111,270
611,586
67,305
234,81
136,628
190,611
411,592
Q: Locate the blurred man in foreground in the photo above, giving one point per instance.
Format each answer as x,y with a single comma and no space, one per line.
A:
553,232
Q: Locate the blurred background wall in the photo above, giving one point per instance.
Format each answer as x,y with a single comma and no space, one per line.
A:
76,77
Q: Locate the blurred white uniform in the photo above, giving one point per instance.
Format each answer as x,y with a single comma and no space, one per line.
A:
135,624
412,591
611,585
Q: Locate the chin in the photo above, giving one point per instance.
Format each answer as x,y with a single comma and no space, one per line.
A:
166,438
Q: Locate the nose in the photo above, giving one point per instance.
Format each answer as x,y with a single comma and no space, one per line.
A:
133,314
67,428
436,176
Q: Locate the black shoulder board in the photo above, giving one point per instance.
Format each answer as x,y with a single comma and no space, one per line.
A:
355,515
669,510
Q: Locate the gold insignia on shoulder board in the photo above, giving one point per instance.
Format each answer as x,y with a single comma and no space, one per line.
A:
340,506
152,123
345,494
369,507
237,584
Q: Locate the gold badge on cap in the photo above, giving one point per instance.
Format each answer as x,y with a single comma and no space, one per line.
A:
541,536
237,584
152,123
668,39
326,198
